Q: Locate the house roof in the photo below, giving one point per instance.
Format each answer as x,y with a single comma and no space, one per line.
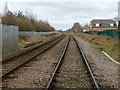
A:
103,21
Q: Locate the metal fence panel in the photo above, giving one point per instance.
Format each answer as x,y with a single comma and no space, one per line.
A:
29,34
9,38
111,33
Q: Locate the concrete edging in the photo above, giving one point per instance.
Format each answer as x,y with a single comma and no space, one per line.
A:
110,57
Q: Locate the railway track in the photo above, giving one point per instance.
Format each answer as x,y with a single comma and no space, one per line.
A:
72,70
15,62
27,50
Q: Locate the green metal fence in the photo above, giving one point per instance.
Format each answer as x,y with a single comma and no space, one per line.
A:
111,33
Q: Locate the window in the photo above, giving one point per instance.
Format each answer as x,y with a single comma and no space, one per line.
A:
111,25
115,25
97,25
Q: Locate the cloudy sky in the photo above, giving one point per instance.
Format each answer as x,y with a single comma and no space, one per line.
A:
63,13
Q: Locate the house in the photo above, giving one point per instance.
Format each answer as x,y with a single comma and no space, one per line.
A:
103,24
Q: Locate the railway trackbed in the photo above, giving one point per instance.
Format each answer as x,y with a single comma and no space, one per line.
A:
72,70
15,62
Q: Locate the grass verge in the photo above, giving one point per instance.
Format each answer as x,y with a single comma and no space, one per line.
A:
23,41
103,43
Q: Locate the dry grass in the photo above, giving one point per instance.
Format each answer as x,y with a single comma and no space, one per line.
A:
23,41
105,43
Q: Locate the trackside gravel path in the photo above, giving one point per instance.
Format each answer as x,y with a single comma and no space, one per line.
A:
105,70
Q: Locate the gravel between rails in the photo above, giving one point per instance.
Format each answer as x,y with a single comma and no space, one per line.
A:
10,65
106,71
73,73
36,73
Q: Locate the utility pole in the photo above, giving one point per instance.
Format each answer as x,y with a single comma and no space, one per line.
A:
119,15
6,8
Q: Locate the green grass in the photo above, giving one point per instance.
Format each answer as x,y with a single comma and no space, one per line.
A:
97,48
107,49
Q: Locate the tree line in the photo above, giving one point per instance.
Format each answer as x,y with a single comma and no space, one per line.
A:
25,23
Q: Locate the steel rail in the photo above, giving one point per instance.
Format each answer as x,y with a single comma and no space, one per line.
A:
14,69
27,50
58,65
49,85
87,64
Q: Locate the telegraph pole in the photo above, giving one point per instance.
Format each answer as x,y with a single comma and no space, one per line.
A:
119,15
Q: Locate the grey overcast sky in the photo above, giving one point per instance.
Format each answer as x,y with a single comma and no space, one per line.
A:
63,13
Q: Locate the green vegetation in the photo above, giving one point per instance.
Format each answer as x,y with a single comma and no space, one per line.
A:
96,47
25,23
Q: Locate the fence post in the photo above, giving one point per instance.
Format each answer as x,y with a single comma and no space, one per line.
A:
0,39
